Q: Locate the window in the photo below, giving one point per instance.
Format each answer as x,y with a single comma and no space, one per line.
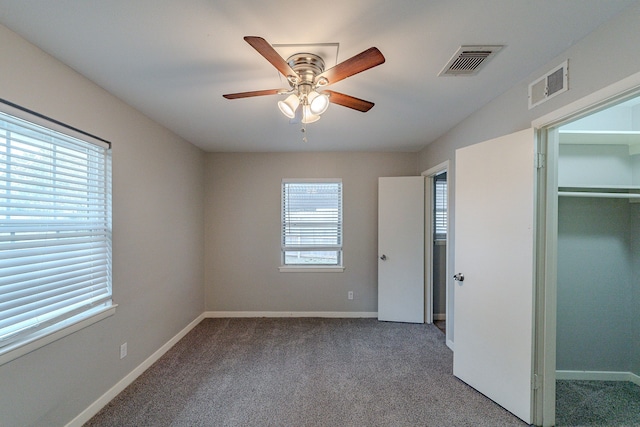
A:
55,231
440,207
312,223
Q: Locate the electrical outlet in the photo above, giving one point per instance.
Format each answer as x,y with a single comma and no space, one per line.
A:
350,295
123,351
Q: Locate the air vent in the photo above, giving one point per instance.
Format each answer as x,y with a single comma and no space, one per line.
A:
551,84
468,60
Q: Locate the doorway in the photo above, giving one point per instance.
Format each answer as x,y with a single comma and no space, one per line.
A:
597,300
437,284
588,273
439,250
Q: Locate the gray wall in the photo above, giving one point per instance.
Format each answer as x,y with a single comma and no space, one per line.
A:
635,300
242,252
598,60
158,185
596,311
439,279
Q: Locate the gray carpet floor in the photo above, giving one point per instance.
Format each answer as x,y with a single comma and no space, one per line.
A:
597,403
304,372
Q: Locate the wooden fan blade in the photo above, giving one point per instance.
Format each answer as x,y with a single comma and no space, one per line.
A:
349,101
265,49
370,58
255,93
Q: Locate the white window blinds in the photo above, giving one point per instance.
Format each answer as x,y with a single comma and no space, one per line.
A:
312,222
55,228
440,207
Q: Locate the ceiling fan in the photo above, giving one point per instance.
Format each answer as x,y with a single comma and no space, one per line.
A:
307,78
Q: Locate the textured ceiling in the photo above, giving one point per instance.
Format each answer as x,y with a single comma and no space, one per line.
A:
173,60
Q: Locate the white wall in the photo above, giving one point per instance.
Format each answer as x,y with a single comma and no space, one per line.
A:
243,231
158,187
600,59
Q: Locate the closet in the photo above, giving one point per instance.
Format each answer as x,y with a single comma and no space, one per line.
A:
598,297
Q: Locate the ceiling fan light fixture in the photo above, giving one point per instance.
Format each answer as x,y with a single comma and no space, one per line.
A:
318,102
289,105
308,116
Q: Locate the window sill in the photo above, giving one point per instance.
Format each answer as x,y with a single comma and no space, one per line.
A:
53,333
310,269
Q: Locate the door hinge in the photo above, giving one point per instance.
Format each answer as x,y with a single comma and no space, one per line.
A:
536,381
540,161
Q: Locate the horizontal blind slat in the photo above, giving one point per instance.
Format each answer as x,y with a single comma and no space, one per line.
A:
44,257
26,237
14,192
11,226
9,250
35,175
18,290
59,276
44,162
47,198
24,272
25,185
38,167
68,147
35,299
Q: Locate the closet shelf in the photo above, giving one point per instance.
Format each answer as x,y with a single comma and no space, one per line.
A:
601,191
628,138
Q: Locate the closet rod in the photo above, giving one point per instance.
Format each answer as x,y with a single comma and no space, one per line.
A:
599,195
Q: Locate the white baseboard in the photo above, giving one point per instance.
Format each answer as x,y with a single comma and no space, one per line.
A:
102,401
598,376
325,314
439,316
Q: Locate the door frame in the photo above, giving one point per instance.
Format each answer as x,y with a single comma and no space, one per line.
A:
429,201
547,237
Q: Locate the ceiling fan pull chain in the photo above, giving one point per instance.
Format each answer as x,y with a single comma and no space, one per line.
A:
304,132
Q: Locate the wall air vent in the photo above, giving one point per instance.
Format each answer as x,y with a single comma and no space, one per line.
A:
551,84
468,60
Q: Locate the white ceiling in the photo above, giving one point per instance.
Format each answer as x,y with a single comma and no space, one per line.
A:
173,60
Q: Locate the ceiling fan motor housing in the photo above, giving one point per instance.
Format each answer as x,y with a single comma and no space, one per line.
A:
307,66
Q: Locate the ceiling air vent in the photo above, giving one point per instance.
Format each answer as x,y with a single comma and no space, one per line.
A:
551,84
468,60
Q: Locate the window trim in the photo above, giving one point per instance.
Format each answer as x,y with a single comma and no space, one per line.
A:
46,335
55,332
312,268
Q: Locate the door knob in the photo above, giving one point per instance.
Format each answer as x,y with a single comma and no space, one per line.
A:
459,277
383,257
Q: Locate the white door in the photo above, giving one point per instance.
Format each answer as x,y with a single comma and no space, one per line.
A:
494,237
401,249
